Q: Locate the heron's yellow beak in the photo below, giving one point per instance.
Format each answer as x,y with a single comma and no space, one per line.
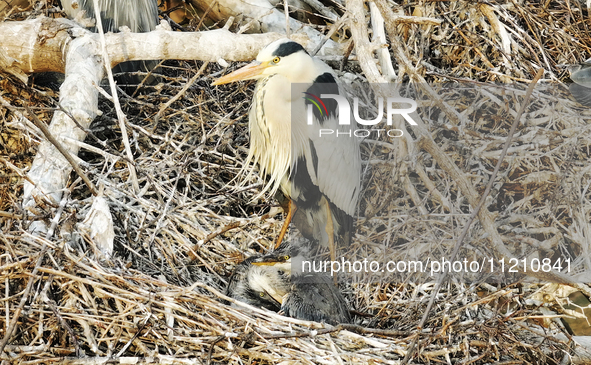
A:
277,296
265,263
250,71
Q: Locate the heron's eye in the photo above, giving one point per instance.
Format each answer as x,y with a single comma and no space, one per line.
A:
262,294
276,59
286,257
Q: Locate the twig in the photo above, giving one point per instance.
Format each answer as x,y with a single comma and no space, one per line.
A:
491,181
347,54
17,312
179,94
211,236
286,11
341,327
48,235
540,333
63,323
405,19
471,44
62,150
10,215
135,335
124,360
379,35
325,11
211,5
333,29
19,172
174,8
120,116
111,152
56,219
145,79
213,343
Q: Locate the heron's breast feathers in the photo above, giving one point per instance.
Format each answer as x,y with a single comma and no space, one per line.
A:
270,138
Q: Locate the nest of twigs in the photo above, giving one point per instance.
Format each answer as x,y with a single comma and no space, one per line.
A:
160,296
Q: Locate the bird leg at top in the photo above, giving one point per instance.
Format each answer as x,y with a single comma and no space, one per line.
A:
330,231
291,209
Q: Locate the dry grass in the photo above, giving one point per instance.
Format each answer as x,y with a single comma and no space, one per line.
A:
160,296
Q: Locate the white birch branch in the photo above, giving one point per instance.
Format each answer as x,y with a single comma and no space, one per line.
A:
379,36
79,96
61,45
39,45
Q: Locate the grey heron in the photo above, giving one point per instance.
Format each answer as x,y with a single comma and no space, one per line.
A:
320,174
139,15
268,281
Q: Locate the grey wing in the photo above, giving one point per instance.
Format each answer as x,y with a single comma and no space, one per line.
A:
581,93
336,168
581,74
139,15
317,301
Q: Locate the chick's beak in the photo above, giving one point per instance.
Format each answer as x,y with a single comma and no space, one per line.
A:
272,261
250,71
277,296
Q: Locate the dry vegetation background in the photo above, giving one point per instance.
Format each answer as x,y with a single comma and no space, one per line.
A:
160,297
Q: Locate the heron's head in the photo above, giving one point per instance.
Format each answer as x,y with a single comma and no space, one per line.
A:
264,285
278,260
282,57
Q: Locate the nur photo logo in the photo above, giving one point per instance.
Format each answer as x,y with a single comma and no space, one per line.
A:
344,109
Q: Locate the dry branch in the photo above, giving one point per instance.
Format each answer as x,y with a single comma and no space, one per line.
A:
38,45
263,16
63,151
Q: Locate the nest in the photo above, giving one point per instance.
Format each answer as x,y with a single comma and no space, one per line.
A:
160,296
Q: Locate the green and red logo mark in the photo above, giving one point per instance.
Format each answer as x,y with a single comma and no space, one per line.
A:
316,100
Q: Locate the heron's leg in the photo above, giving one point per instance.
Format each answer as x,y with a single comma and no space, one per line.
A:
330,231
291,209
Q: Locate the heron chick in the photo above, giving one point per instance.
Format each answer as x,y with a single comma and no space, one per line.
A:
268,281
320,174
